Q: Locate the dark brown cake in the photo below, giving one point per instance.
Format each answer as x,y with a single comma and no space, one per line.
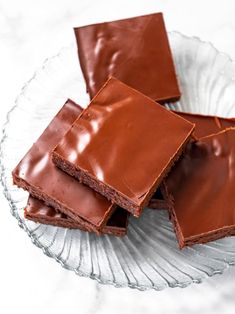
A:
37,173
204,125
110,146
134,50
38,211
201,186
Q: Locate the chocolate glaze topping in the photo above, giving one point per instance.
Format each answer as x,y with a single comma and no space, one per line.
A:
206,125
135,50
202,187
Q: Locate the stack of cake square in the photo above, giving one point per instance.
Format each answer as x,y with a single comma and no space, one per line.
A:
90,169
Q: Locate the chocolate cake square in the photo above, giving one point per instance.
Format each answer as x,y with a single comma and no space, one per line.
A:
37,174
122,145
201,186
204,125
134,50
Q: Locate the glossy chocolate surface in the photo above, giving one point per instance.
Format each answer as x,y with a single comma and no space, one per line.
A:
125,140
37,170
206,125
202,185
134,50
38,211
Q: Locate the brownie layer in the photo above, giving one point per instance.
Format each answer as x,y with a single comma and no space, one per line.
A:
38,211
135,50
110,146
37,173
201,186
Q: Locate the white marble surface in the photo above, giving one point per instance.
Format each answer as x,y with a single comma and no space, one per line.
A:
30,282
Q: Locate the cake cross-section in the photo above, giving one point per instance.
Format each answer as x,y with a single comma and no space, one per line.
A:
122,145
37,211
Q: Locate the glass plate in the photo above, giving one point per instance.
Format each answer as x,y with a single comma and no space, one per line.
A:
148,257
